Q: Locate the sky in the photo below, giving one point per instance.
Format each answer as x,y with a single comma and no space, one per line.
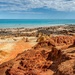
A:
37,9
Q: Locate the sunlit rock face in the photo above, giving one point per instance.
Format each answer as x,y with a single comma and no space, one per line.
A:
54,56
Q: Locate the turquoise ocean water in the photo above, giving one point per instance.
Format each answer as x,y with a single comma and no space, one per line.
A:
13,23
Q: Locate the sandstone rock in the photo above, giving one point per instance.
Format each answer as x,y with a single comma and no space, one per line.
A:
44,59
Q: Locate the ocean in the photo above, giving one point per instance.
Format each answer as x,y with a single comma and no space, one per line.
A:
16,23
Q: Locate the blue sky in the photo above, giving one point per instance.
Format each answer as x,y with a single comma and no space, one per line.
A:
37,9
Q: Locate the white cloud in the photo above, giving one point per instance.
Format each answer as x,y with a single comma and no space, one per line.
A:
20,5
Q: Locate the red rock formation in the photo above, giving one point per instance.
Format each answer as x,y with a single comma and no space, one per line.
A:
44,59
59,40
29,63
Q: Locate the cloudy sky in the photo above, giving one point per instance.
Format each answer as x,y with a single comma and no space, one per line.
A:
37,9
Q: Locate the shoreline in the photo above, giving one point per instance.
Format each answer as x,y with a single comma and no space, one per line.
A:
35,26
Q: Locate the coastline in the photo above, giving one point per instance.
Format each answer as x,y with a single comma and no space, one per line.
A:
32,26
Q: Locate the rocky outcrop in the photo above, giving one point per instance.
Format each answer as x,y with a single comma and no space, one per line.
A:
43,59
64,40
34,62
28,63
61,42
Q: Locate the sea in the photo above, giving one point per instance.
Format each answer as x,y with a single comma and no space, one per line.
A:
30,23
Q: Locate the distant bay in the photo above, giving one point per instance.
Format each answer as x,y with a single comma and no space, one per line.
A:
13,23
